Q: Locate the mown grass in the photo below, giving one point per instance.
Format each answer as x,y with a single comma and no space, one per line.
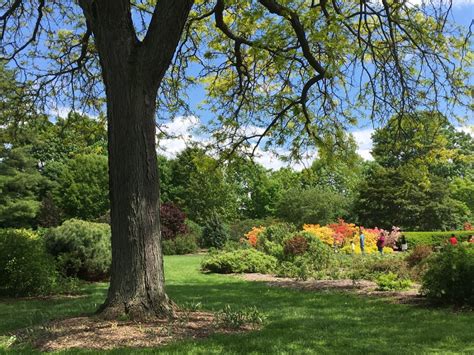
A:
298,321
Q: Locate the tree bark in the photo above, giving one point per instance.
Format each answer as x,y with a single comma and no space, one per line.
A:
132,71
137,278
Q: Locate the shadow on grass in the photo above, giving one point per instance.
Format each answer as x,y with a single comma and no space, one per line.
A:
16,314
298,321
305,321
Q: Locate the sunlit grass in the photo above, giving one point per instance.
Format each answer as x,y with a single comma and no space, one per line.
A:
298,321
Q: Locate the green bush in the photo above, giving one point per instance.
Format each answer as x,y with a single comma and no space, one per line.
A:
418,255
81,249
271,240
182,244
433,238
214,234
194,229
369,267
277,232
26,269
321,254
449,278
392,282
317,258
299,268
238,229
238,261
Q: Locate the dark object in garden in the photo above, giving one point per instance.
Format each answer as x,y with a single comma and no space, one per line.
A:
172,221
297,245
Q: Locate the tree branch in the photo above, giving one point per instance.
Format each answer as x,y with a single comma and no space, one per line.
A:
163,35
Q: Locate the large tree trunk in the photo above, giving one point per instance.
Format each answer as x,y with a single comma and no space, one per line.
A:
132,71
137,279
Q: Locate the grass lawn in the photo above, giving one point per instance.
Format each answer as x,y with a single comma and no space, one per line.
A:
298,321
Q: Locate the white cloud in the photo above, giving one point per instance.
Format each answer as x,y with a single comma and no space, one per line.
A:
363,139
365,154
63,112
181,126
251,130
466,129
183,131
271,160
180,132
60,112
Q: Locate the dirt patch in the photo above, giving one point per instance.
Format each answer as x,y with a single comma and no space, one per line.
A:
362,287
97,334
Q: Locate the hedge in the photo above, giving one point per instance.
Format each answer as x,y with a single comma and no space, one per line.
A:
434,238
25,267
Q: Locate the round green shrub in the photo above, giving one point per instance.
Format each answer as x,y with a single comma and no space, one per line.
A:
371,266
194,229
214,234
449,278
81,248
26,269
271,240
238,261
320,254
182,244
391,282
316,257
277,232
418,255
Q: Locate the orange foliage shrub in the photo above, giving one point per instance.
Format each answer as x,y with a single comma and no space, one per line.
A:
252,235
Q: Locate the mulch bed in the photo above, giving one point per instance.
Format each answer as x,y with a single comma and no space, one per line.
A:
362,287
96,334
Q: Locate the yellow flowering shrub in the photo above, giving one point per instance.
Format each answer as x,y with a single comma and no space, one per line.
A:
323,233
370,244
367,249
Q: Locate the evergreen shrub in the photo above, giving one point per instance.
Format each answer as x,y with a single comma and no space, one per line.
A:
238,261
449,278
82,249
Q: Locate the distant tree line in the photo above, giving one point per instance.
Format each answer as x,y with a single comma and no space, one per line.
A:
422,177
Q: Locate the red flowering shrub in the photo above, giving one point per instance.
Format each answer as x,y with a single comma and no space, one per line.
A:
297,245
172,221
343,231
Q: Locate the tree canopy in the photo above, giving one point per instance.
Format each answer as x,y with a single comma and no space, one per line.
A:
278,73
421,179
299,72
